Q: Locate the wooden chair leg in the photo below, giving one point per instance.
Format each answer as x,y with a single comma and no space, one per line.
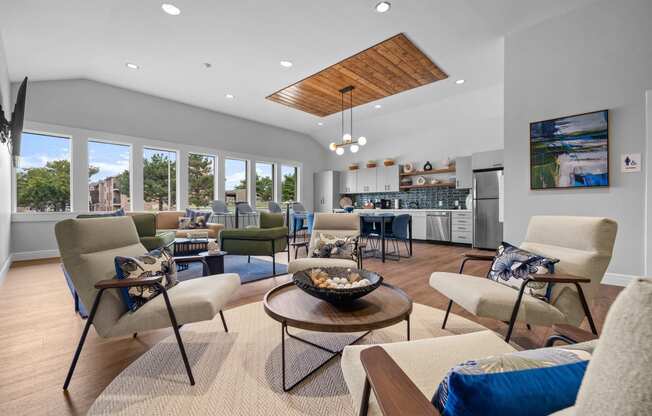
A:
175,327
82,339
448,311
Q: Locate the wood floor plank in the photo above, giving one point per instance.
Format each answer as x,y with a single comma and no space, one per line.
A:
39,330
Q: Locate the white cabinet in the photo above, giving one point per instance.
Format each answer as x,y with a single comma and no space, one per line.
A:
487,160
462,227
418,225
367,180
463,173
349,182
326,190
387,178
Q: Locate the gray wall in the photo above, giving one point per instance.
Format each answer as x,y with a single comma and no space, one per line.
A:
95,106
597,57
5,170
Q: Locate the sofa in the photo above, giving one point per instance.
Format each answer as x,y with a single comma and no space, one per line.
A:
169,221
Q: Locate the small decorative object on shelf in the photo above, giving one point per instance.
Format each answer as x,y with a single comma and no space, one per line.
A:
450,163
353,166
408,168
406,181
427,166
371,164
421,181
388,162
212,247
368,205
435,181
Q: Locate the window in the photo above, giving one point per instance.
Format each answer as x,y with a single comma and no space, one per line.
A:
201,180
235,179
289,178
108,176
264,184
43,174
159,179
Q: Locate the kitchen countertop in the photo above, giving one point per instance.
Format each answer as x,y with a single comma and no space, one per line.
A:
410,209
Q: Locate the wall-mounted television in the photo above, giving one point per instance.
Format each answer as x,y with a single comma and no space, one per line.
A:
11,131
570,152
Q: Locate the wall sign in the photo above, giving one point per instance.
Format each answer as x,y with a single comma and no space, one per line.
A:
630,162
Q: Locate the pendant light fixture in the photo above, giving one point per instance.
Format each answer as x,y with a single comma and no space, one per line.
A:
347,138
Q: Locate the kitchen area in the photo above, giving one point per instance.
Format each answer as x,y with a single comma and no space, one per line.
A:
455,202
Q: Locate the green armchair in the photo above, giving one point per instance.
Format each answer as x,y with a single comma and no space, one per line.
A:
267,240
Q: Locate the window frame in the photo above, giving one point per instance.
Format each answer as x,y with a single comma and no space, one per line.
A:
177,152
274,171
297,189
216,161
248,162
14,181
131,166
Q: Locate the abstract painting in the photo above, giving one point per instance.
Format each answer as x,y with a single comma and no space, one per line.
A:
570,152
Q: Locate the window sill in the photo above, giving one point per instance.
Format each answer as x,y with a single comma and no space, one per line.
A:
41,216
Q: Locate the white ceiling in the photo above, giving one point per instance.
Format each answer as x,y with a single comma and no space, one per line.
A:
244,40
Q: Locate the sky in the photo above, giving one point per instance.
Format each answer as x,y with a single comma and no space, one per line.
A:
112,159
234,171
36,150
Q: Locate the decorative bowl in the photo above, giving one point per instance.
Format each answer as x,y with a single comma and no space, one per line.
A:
371,164
353,167
337,296
388,162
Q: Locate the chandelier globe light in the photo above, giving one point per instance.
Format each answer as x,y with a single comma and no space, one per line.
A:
347,138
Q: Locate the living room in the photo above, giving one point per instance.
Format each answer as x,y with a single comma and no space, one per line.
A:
241,144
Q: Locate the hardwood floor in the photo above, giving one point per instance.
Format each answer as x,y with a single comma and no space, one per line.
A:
39,330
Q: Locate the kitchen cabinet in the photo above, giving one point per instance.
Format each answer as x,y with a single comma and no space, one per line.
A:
463,173
462,227
367,180
349,182
387,179
487,160
419,226
326,190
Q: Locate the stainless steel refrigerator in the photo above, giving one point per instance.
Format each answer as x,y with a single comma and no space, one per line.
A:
487,208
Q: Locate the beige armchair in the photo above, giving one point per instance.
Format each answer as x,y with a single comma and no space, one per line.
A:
88,248
582,244
339,225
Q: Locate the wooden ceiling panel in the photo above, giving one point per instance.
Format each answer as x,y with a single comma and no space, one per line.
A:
390,67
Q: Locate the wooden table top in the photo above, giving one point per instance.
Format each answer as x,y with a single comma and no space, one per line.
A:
383,307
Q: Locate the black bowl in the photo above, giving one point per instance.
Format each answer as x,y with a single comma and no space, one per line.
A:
337,296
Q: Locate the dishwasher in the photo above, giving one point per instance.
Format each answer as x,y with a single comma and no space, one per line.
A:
438,226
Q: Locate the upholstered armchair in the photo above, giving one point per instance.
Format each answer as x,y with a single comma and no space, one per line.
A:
584,247
88,249
338,225
403,376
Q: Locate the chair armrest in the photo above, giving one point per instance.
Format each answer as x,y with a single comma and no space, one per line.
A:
395,393
478,255
120,283
558,278
573,333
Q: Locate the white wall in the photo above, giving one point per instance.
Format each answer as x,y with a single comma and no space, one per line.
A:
83,109
5,171
596,57
457,126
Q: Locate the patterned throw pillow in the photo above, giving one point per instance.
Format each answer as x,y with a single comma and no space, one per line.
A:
533,382
154,263
330,246
513,265
185,223
198,219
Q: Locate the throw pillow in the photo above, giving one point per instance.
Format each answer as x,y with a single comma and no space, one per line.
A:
154,263
512,265
198,219
534,382
185,223
330,246
117,213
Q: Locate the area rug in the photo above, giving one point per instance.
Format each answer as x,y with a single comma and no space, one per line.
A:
258,269
239,373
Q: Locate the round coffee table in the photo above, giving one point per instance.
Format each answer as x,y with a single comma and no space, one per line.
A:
292,307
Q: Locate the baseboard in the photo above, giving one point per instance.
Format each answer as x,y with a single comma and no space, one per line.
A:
34,255
5,268
617,279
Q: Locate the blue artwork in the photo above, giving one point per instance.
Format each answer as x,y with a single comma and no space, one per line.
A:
570,152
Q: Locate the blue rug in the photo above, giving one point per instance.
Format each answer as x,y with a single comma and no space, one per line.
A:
258,269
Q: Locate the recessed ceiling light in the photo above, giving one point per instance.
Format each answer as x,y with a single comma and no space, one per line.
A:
383,6
131,65
170,9
229,96
320,123
377,106
460,82
286,64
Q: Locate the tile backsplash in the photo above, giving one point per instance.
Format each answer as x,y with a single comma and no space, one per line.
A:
425,198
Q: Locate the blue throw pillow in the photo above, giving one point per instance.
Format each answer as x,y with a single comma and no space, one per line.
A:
535,382
154,263
512,265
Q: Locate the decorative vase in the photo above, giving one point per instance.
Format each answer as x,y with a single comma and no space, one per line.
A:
371,164
408,168
427,166
388,162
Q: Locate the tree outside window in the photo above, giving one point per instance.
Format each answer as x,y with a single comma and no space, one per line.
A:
289,183
201,180
43,174
159,179
264,184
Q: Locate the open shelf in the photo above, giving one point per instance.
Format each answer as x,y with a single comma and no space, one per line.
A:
439,185
429,172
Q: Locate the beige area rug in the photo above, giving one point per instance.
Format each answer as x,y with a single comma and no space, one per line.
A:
239,373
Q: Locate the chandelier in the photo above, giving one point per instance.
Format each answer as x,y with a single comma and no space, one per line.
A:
347,138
